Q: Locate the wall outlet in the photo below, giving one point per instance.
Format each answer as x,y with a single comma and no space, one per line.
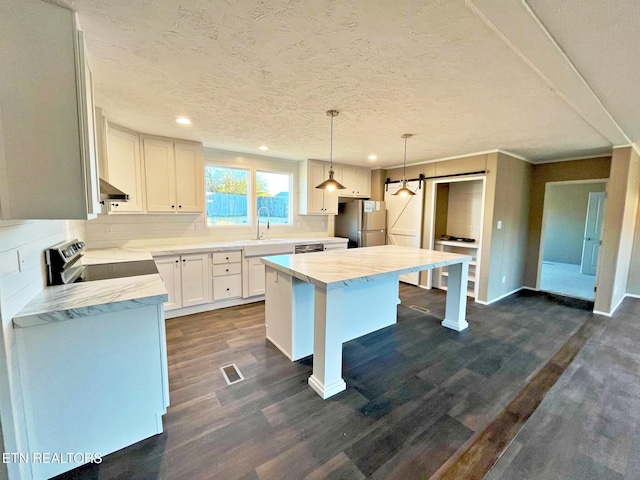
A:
499,224
108,229
504,279
21,261
198,226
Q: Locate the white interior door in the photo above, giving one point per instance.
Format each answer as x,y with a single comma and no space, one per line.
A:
404,221
592,233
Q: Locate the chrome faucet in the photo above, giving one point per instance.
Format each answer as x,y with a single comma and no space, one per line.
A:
258,234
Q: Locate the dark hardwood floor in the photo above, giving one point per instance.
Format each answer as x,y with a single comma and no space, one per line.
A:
418,395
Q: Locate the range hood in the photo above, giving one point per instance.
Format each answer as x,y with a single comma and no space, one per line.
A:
109,193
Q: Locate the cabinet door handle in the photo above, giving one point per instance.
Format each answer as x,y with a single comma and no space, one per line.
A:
184,260
179,206
227,270
227,289
177,261
173,206
227,258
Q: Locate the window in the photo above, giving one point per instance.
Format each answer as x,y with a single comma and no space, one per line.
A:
273,192
234,196
227,201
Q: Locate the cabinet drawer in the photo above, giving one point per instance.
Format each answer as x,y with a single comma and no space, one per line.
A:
227,287
226,269
226,257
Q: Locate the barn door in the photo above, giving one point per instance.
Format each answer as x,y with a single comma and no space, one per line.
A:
404,221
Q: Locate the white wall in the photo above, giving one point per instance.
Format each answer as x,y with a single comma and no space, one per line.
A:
138,229
16,289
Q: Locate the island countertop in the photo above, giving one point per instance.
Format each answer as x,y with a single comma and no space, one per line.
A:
343,267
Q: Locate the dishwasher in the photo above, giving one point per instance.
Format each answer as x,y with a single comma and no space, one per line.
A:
313,247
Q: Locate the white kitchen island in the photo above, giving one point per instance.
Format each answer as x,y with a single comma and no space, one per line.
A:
347,293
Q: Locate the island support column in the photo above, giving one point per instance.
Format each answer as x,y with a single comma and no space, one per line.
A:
326,379
455,310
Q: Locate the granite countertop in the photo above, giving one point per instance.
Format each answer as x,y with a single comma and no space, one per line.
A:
343,267
64,302
144,252
159,250
114,255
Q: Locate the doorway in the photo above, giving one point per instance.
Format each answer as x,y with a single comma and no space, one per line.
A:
571,235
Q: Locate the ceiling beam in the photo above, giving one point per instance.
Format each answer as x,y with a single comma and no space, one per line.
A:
517,25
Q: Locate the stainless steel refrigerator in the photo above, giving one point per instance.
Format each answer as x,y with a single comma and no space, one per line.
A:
363,222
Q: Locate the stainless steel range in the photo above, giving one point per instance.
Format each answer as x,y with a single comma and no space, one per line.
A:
64,265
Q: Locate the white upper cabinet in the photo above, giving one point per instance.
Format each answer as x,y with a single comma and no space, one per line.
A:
357,182
48,164
123,168
314,201
189,173
174,176
159,170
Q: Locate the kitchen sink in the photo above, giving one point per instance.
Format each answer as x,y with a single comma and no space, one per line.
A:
259,248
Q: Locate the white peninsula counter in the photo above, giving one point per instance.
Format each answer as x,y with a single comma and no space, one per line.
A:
347,293
93,366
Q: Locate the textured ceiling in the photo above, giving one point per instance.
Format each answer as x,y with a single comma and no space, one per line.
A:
602,39
249,73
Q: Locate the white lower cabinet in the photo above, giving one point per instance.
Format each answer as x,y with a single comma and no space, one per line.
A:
254,281
169,270
227,275
195,279
87,395
186,278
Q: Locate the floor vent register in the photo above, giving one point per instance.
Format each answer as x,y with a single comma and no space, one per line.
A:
231,374
419,308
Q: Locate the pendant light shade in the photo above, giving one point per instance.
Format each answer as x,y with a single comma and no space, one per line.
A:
331,184
404,191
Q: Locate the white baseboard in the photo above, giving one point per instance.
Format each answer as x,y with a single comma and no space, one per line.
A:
502,296
613,310
205,307
275,344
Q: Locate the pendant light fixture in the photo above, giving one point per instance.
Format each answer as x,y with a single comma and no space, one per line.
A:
331,184
404,191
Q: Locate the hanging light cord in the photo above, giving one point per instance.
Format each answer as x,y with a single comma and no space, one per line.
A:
404,170
331,146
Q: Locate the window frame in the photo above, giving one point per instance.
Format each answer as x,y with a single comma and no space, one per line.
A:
252,193
250,190
290,192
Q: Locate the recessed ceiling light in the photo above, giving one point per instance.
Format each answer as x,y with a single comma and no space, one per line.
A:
263,147
183,121
373,157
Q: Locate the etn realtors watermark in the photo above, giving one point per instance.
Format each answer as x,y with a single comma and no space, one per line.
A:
77,458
